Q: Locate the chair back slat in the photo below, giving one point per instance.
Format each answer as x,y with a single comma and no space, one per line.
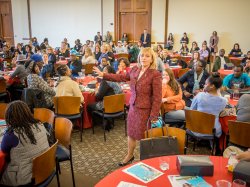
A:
239,133
88,68
63,129
180,134
3,107
67,105
44,164
200,122
44,115
3,86
114,103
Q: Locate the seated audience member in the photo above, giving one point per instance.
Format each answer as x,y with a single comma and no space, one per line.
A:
97,52
25,139
204,54
66,42
51,56
45,44
103,64
194,60
20,49
166,57
20,71
159,62
74,64
126,46
112,46
111,56
104,53
170,42
108,38
66,86
91,46
246,59
172,97
123,66
184,39
78,45
211,101
88,57
195,80
38,50
35,42
120,49
236,51
133,53
45,58
220,61
194,47
237,80
247,67
28,51
82,50
48,68
14,59
124,37
34,81
106,88
6,52
159,50
184,49
243,108
63,51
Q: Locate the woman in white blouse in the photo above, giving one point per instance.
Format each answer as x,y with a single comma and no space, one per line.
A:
88,57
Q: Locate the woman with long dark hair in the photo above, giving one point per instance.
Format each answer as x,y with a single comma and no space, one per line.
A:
25,139
172,97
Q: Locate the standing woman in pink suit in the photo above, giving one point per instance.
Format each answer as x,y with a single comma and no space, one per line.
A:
145,100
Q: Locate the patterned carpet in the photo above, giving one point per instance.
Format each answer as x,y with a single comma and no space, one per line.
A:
96,158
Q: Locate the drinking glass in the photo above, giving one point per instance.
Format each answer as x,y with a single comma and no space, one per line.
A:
164,163
239,183
223,183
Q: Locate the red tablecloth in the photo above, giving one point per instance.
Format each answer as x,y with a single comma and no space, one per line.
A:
2,161
89,98
233,102
175,70
113,179
224,72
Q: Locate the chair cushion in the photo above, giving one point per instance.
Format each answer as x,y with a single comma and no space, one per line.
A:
199,136
76,116
109,115
47,181
62,153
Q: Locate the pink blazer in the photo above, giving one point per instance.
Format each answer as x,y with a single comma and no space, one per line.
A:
146,92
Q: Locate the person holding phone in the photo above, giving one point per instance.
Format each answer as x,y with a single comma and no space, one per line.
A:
145,100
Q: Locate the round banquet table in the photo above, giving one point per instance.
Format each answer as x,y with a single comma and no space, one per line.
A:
236,60
114,178
224,72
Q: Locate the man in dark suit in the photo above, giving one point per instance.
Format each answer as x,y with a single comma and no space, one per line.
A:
145,39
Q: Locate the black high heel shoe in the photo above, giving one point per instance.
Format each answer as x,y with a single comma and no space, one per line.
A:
128,162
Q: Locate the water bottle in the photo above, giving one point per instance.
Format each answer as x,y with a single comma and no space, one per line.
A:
232,161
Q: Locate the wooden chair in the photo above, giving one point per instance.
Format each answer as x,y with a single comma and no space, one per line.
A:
122,55
43,167
3,90
182,72
113,107
239,133
3,107
200,122
44,115
88,68
69,107
180,134
63,129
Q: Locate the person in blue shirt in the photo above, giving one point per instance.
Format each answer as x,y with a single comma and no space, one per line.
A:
237,80
74,64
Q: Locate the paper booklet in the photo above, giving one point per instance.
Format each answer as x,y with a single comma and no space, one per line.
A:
188,181
128,184
143,172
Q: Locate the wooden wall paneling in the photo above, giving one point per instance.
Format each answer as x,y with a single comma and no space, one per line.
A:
140,23
141,5
126,18
126,5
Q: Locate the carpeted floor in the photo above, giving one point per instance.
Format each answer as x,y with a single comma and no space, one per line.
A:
95,158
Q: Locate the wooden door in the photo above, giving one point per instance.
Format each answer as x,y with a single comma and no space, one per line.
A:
6,24
132,17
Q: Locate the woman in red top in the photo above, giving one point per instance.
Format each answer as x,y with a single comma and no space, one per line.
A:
123,66
145,100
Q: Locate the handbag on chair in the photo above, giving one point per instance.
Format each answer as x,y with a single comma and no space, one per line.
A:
158,146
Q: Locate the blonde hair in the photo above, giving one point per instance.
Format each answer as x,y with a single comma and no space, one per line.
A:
153,64
89,51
